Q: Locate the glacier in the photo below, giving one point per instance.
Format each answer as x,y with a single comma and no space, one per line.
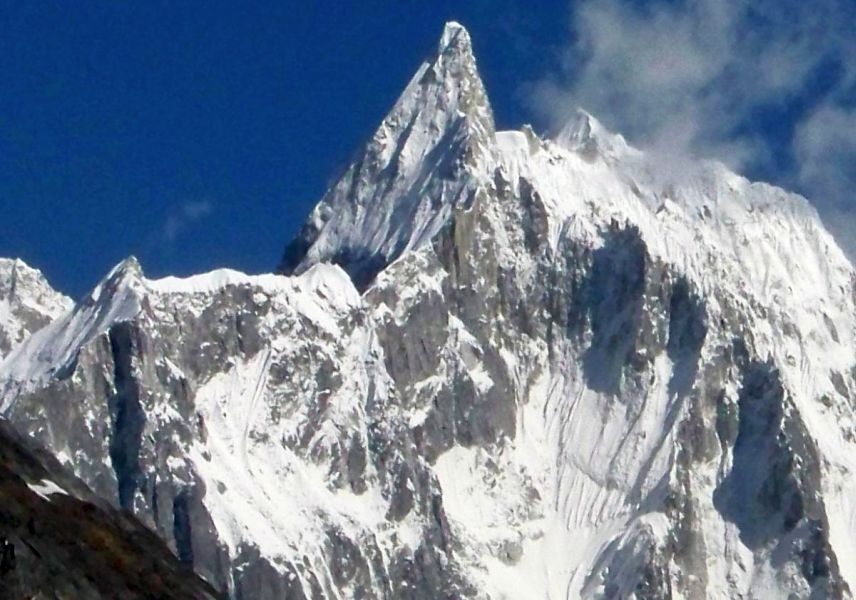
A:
492,364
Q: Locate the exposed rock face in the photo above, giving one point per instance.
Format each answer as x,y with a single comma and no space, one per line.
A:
59,540
27,303
562,376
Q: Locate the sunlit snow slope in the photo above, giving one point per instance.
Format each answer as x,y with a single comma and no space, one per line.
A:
496,366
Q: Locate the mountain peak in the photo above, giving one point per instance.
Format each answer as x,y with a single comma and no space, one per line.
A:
52,351
27,302
455,44
128,274
453,76
456,38
421,162
128,267
583,133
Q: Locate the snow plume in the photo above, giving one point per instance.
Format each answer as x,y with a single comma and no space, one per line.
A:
765,87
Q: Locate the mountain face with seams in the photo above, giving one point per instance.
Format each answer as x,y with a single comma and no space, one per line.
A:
493,366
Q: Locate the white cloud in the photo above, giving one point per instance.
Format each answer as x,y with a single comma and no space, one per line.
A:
825,150
687,79
187,213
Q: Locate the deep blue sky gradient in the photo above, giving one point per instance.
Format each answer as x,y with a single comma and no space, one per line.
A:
115,117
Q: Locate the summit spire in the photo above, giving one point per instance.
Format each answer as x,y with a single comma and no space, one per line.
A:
419,164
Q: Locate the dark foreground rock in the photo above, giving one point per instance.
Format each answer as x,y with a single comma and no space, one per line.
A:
58,540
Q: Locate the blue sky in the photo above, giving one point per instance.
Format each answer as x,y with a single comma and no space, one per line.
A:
198,135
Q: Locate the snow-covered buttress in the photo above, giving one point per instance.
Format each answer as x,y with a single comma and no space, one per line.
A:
499,366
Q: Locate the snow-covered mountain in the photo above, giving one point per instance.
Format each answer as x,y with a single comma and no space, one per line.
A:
494,366
27,303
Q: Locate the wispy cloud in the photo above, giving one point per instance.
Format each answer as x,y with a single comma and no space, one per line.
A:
825,150
186,214
765,86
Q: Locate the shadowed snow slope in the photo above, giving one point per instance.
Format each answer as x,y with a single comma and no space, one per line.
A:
558,373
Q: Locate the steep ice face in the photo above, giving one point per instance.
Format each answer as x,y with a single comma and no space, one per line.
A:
565,374
27,303
423,161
